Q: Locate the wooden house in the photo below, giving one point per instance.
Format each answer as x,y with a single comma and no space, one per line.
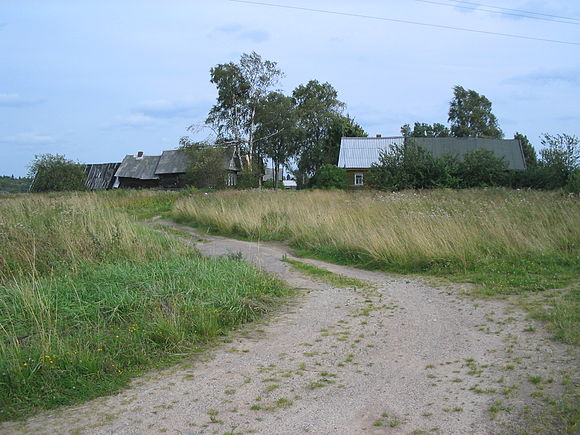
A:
357,154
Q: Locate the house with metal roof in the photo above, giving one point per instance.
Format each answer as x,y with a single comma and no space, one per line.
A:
357,154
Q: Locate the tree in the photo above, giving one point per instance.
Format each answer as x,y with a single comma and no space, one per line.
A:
241,89
530,156
276,126
207,167
318,107
470,115
55,173
330,177
421,129
559,158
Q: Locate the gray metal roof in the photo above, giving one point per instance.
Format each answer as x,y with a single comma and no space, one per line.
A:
509,149
100,175
140,168
361,152
173,162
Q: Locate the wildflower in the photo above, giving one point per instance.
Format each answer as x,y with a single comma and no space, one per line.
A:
99,350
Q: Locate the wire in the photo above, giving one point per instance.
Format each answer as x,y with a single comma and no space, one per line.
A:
394,20
501,12
515,10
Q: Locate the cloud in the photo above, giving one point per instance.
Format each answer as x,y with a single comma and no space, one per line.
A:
545,78
28,140
164,109
15,100
245,33
133,120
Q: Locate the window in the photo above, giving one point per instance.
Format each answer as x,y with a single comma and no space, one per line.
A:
358,179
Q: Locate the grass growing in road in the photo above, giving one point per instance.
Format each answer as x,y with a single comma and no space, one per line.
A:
330,278
88,300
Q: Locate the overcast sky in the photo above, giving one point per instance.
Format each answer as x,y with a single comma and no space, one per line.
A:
98,79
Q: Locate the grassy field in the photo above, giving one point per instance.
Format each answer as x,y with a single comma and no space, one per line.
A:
89,299
509,242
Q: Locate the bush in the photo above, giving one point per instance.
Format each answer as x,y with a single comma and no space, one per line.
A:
54,172
207,165
410,166
573,185
481,168
330,177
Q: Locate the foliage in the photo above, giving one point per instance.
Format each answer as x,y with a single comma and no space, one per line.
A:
559,158
573,184
241,89
421,129
530,156
276,119
470,115
14,184
481,168
330,177
318,107
207,167
409,166
54,172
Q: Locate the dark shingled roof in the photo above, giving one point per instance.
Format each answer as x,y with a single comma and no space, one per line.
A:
140,168
172,162
100,175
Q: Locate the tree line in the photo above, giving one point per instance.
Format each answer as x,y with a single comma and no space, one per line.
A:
256,121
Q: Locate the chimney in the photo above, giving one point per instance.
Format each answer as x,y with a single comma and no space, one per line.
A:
378,135
140,155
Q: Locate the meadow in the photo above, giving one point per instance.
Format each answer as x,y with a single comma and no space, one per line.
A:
89,299
505,241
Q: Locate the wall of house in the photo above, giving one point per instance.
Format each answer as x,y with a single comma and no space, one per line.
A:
351,174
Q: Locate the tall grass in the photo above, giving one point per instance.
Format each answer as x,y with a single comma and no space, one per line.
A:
40,233
435,231
88,298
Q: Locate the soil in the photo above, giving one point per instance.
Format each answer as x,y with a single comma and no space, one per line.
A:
402,356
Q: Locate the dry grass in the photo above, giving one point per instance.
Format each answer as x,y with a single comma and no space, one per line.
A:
405,229
39,233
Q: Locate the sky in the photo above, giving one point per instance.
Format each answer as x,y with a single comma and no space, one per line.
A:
95,80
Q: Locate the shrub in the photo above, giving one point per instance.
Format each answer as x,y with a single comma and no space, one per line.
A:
482,168
54,172
330,177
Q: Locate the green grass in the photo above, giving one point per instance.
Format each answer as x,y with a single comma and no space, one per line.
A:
330,278
73,337
89,299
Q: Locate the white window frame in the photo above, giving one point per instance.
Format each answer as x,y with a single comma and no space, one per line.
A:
359,176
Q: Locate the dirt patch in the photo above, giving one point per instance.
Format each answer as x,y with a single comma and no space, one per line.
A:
400,356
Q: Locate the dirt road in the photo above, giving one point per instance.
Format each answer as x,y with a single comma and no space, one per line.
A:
399,357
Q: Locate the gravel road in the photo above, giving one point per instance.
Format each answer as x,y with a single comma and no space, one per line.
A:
400,357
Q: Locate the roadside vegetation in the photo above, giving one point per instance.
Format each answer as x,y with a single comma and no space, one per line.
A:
89,299
509,242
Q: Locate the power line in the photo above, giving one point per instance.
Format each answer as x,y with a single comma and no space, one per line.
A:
394,20
501,12
516,10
